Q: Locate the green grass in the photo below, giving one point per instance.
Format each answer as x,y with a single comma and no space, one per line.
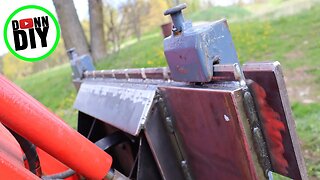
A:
214,13
293,40
54,89
145,53
289,39
308,128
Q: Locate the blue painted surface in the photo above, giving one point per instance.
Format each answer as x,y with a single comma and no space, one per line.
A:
190,54
80,64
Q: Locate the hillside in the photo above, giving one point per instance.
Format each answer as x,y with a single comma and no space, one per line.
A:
293,40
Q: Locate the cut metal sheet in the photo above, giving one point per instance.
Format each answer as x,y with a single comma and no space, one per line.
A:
214,131
270,77
162,148
147,167
121,105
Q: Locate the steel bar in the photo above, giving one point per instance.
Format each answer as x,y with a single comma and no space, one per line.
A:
153,73
141,73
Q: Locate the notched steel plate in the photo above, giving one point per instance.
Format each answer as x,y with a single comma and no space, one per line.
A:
122,105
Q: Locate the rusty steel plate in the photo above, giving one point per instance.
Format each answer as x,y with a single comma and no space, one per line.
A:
214,131
161,146
270,77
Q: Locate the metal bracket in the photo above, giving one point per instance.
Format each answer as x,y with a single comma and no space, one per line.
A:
80,64
258,137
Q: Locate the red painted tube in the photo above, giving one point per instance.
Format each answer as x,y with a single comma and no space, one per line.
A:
9,170
26,116
11,161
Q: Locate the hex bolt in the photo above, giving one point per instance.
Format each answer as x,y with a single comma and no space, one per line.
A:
177,17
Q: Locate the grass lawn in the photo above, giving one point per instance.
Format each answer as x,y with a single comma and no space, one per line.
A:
292,40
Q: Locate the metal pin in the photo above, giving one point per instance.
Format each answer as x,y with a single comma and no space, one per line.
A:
113,75
165,73
126,73
102,72
239,76
143,73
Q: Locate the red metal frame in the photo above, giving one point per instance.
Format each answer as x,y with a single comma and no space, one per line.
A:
26,116
11,161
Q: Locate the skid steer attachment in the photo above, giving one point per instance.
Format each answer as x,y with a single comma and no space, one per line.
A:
203,117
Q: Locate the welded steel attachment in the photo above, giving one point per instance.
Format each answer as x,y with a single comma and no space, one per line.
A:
218,119
203,117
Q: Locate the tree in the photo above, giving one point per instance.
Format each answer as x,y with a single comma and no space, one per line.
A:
14,68
97,40
133,11
116,28
154,17
72,32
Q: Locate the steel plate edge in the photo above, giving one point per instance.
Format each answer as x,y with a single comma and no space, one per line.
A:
290,121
